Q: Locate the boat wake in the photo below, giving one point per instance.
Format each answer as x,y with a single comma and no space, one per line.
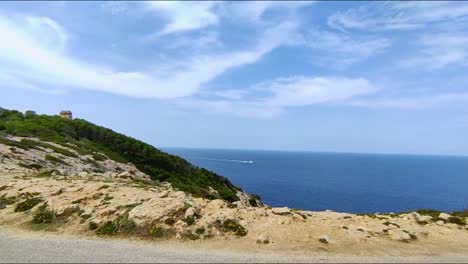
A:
225,160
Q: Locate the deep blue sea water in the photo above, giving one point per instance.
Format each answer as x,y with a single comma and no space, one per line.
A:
341,182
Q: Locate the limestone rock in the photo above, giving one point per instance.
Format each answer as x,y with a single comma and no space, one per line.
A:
83,174
263,239
298,217
399,235
190,212
281,210
444,216
324,239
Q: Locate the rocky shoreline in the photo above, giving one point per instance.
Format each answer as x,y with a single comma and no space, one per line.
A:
123,202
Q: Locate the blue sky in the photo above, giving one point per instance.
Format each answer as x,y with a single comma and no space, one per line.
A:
385,77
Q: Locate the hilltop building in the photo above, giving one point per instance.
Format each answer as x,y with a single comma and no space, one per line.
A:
66,114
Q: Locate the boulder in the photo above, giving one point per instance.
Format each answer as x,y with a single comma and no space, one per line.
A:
440,222
444,216
399,235
190,212
281,210
263,239
83,174
298,217
324,239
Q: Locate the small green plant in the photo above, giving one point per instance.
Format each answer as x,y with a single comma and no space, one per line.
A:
430,212
44,216
93,225
105,186
235,227
189,220
86,216
160,232
200,231
27,204
47,173
253,202
188,235
108,228
4,201
169,221
456,220
231,205
33,166
55,159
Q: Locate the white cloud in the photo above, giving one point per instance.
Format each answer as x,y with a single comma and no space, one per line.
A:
184,16
24,58
415,102
254,10
398,15
283,93
342,50
439,50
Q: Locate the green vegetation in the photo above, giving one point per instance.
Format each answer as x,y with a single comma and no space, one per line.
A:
189,220
235,227
4,201
108,228
102,143
44,216
54,159
27,204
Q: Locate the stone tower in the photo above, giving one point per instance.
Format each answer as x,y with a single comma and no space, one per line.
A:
66,114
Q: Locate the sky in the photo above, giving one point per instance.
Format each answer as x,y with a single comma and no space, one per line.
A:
367,77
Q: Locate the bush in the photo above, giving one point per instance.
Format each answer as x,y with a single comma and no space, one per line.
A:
55,159
235,227
253,202
27,204
190,236
92,225
189,220
44,216
200,231
108,228
169,221
160,232
456,220
4,201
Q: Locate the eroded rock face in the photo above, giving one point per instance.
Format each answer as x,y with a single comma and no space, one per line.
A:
281,210
444,216
155,209
263,239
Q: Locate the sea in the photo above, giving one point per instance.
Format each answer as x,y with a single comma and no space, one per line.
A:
342,182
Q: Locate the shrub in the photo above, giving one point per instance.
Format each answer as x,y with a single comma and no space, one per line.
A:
160,232
27,204
169,221
44,216
456,220
235,227
430,212
253,202
4,201
200,230
55,159
108,228
189,220
92,225
190,236
47,173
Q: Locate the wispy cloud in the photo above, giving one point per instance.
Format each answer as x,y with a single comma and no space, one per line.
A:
342,50
24,57
283,93
398,15
415,102
438,51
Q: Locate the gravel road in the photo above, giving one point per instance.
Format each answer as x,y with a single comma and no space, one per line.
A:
20,246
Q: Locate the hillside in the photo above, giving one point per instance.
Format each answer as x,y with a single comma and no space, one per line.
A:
86,138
